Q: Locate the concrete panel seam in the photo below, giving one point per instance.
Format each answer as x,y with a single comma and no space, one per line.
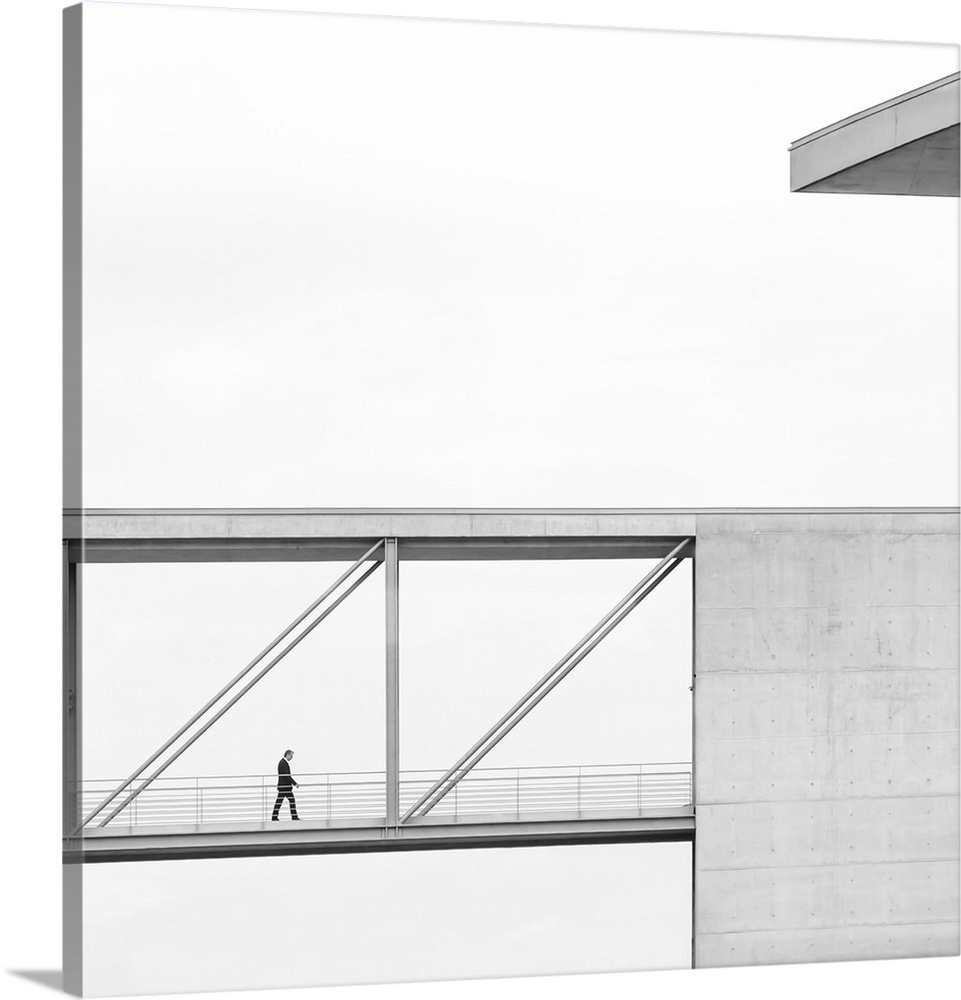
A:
828,605
838,927
844,927
846,863
837,798
836,671
829,735
726,532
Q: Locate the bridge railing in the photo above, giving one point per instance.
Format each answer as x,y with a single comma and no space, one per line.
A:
622,788
508,793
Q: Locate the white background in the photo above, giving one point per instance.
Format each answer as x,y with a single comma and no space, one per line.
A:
31,430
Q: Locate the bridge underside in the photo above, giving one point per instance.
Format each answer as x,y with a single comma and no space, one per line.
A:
208,841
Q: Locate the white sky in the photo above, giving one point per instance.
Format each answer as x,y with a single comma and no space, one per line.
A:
170,926
160,640
336,261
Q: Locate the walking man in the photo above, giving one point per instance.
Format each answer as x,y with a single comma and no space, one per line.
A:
285,785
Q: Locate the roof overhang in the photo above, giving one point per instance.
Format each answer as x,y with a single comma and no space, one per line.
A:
908,145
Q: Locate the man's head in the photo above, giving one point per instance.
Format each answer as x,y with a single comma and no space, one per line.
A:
289,754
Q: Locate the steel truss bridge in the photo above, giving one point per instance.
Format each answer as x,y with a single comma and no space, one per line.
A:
153,816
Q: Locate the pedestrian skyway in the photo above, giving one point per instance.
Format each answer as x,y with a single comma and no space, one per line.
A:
150,815
223,815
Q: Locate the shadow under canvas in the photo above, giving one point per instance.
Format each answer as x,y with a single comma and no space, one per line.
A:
53,978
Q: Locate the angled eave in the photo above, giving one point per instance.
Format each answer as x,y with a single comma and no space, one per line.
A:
908,145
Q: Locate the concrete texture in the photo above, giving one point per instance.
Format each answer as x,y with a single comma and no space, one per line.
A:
826,745
908,145
131,525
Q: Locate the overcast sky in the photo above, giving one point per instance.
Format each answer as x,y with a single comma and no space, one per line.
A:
341,261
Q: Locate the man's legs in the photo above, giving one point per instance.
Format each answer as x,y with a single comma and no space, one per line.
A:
281,795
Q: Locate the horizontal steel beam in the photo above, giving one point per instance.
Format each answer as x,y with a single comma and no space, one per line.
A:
261,840
186,550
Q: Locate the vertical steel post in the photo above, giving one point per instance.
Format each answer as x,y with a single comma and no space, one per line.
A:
694,753
391,566
693,675
71,692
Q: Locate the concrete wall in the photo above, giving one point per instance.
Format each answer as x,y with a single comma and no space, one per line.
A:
826,737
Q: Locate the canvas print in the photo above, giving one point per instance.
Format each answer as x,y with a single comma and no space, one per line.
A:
405,359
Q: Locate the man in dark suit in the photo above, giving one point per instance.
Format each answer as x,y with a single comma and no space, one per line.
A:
285,785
